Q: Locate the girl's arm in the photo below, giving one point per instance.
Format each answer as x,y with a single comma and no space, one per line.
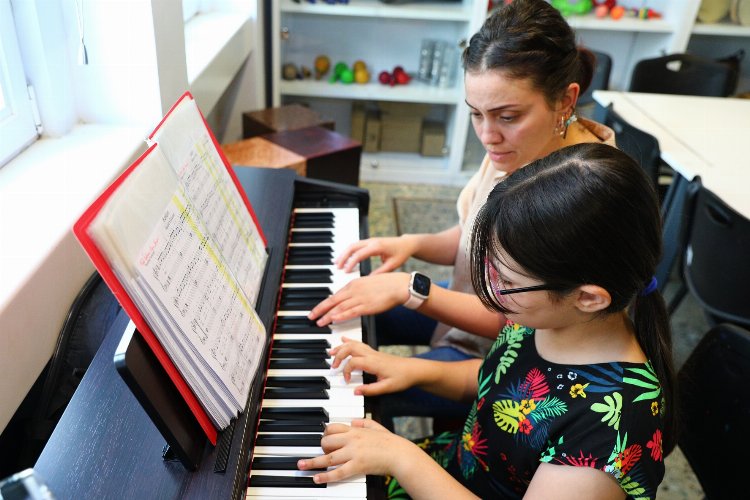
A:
375,294
569,482
438,248
368,448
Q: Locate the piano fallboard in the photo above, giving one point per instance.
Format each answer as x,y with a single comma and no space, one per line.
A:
106,446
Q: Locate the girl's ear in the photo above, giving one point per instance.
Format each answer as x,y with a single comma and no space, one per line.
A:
592,298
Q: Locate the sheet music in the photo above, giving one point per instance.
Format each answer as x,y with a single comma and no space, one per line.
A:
210,308
190,150
156,241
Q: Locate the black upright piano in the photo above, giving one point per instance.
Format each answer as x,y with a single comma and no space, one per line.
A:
107,446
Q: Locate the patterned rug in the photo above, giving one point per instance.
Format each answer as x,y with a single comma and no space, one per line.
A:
425,215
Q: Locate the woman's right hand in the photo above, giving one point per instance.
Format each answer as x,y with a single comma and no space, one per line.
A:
392,251
362,297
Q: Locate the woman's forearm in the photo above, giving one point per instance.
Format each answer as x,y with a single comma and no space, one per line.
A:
437,248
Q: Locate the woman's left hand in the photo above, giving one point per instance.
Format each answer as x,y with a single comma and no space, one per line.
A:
365,447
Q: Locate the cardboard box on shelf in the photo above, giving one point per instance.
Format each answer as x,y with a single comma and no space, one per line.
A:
371,143
401,133
357,131
404,108
433,139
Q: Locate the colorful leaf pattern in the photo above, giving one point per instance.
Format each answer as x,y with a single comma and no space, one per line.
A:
530,411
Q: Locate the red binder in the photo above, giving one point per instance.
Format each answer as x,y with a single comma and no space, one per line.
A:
80,229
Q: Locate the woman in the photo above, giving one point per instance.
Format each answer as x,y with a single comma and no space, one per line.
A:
523,76
575,398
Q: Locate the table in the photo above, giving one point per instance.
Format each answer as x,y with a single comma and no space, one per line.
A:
706,137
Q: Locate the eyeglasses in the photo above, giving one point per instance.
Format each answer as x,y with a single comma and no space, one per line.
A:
508,291
498,290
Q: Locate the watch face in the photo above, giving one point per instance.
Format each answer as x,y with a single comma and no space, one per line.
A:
421,284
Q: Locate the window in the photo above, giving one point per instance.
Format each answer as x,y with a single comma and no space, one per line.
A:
17,124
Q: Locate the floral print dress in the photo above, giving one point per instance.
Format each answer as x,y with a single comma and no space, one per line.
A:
530,411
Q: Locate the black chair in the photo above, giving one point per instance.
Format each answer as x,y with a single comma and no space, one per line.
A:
640,145
675,220
715,265
85,326
684,74
714,410
600,79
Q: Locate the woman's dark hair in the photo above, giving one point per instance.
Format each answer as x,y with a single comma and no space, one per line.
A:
530,39
585,214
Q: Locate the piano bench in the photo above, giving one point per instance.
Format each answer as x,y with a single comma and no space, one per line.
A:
287,117
314,152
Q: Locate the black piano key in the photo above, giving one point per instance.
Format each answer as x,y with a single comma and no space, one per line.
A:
299,352
314,215
302,343
278,463
312,237
310,261
290,426
320,223
308,276
317,250
316,414
284,482
294,393
299,364
306,293
298,324
307,382
298,304
288,439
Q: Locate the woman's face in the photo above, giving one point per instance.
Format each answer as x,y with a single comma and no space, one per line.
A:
513,121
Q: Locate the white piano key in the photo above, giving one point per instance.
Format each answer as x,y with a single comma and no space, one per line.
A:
332,490
334,400
359,478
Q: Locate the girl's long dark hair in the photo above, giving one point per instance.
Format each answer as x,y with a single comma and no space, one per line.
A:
585,214
530,39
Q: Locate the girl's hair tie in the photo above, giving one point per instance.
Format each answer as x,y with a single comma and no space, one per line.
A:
650,287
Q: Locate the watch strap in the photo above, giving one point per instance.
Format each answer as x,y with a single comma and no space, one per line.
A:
413,302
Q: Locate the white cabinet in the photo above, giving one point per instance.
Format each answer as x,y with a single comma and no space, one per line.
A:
385,35
382,35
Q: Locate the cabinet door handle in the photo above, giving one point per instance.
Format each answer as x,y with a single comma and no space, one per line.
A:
284,35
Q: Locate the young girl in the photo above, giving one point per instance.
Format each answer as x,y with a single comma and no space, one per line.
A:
575,398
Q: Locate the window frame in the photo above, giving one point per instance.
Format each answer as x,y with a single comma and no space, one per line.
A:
18,125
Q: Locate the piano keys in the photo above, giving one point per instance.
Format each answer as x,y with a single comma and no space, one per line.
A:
302,394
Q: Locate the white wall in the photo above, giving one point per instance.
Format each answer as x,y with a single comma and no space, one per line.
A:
137,69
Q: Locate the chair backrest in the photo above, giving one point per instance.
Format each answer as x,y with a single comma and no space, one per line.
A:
86,324
641,146
715,265
600,79
682,74
714,410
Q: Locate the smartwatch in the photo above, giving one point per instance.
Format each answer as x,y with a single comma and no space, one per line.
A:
419,290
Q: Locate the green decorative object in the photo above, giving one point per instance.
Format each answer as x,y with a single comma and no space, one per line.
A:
573,7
